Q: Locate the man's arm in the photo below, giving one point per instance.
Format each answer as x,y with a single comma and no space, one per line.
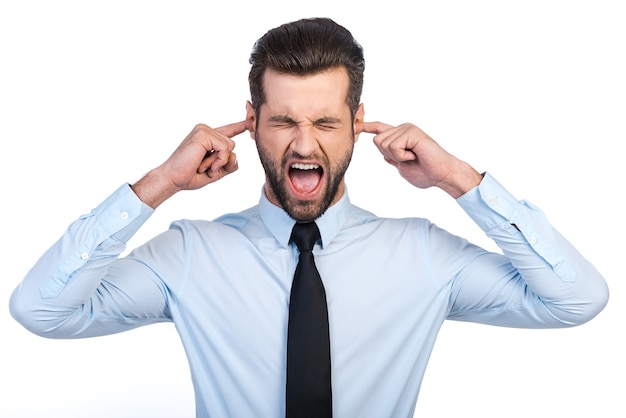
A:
548,282
68,294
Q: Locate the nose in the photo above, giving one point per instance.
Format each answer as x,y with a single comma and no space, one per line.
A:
304,142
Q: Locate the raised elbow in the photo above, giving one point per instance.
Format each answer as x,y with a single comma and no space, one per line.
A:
34,317
598,298
587,305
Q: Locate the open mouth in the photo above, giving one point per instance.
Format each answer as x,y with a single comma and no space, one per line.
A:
305,178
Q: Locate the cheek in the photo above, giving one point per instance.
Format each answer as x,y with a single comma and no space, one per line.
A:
336,146
272,140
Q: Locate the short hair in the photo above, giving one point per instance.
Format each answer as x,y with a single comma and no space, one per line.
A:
307,47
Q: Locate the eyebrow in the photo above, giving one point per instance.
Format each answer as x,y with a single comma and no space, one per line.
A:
282,119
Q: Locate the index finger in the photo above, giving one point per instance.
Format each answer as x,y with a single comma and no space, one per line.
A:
374,127
233,129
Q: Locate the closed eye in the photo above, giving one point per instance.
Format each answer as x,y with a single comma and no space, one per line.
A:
325,123
328,123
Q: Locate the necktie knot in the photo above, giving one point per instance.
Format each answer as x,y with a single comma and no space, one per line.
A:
305,235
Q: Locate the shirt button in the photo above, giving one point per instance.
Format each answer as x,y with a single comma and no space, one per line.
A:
532,240
493,201
124,215
84,256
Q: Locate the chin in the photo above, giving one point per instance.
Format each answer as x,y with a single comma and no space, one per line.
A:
306,212
305,216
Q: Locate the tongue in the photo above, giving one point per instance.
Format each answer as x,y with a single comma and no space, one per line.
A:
305,180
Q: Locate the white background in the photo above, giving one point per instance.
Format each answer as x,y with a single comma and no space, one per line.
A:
94,94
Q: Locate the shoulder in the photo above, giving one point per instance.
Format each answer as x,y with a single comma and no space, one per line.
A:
229,222
362,219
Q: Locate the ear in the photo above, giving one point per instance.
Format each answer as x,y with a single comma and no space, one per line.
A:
251,119
358,121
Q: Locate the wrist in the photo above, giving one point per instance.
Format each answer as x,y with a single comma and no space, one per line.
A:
464,179
153,190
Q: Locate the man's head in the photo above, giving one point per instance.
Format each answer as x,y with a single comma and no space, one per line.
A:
305,83
307,47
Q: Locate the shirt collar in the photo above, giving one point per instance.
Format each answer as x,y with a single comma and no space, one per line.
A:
280,223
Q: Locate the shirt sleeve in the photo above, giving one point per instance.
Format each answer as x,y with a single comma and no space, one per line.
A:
546,283
66,294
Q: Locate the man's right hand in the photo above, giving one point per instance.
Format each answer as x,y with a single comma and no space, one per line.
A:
205,156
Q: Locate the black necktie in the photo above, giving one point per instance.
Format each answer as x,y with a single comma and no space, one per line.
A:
308,341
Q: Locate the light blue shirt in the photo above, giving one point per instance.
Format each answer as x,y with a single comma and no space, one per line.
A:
390,285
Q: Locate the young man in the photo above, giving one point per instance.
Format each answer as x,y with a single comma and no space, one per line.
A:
226,284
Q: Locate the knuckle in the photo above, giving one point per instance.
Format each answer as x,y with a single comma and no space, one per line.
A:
200,127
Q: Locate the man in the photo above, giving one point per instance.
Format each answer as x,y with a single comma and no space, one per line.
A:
226,284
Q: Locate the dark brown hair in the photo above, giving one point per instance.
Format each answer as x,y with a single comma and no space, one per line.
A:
307,47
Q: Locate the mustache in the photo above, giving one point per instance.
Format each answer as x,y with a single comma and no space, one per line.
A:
293,155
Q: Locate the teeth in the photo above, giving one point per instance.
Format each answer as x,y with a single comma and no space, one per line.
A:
301,166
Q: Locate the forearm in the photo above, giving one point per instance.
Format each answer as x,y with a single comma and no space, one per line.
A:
66,277
564,282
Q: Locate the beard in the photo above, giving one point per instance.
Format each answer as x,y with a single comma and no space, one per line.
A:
303,210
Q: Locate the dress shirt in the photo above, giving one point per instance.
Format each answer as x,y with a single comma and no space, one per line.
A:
390,284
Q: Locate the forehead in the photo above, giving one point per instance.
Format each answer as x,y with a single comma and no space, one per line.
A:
309,95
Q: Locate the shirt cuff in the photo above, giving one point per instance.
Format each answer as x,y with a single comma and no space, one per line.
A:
494,209
489,204
122,214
